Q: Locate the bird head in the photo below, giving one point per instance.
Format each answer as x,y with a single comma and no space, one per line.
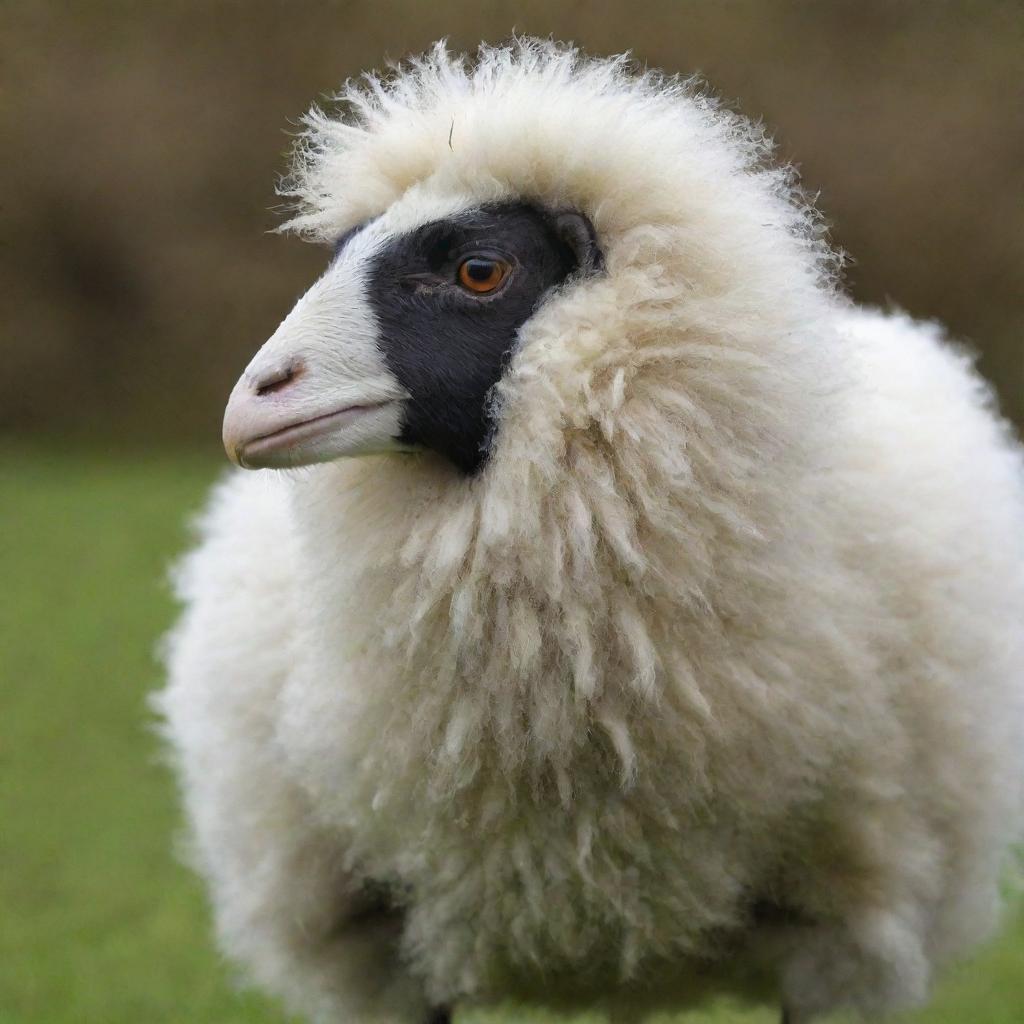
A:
400,343
540,260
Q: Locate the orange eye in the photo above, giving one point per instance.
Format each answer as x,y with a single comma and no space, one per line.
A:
482,275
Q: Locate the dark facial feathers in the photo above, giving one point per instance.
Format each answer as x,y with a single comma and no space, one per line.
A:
449,346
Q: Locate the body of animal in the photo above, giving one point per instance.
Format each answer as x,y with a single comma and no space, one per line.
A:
666,638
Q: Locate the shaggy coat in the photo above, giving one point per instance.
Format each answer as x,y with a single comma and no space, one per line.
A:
712,675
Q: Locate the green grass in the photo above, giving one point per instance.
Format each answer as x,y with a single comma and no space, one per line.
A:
99,924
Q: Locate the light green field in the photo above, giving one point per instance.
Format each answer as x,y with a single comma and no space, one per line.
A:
98,922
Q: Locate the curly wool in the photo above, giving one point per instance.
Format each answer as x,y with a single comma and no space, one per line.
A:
730,618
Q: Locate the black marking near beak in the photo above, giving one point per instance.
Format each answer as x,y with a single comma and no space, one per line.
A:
448,347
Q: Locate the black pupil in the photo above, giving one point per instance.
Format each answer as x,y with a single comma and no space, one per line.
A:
479,270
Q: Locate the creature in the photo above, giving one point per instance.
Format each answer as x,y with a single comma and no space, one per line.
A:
666,637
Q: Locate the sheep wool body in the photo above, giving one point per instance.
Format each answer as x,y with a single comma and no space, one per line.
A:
710,678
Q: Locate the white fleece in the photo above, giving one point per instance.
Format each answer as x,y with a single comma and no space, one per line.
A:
732,616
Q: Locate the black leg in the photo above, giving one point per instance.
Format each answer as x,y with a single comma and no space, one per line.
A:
786,1018
440,1015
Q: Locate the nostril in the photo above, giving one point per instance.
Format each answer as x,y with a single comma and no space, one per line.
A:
277,378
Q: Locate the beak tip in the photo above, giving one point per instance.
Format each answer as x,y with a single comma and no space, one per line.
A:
235,425
233,450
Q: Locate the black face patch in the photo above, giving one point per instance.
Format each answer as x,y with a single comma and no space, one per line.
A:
448,344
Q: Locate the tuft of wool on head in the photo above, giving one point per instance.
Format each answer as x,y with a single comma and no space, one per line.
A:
538,120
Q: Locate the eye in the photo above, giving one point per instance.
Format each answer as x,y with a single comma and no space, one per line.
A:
480,274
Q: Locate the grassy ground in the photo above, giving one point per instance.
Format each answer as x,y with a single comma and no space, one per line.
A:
98,922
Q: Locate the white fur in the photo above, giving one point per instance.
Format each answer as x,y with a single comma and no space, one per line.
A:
732,613
331,333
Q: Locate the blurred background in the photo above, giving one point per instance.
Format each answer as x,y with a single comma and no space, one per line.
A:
143,142
138,274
